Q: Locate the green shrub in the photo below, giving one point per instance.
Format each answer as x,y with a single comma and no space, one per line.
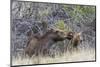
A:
60,24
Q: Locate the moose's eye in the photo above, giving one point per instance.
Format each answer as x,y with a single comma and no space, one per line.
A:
57,31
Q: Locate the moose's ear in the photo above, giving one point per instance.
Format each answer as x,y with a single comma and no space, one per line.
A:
50,30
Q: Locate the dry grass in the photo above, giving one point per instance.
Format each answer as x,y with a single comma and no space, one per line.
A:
83,55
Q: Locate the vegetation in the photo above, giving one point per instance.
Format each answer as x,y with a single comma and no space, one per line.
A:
39,17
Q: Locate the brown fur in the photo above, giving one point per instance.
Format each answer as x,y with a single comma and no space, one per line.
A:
76,39
70,35
39,45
